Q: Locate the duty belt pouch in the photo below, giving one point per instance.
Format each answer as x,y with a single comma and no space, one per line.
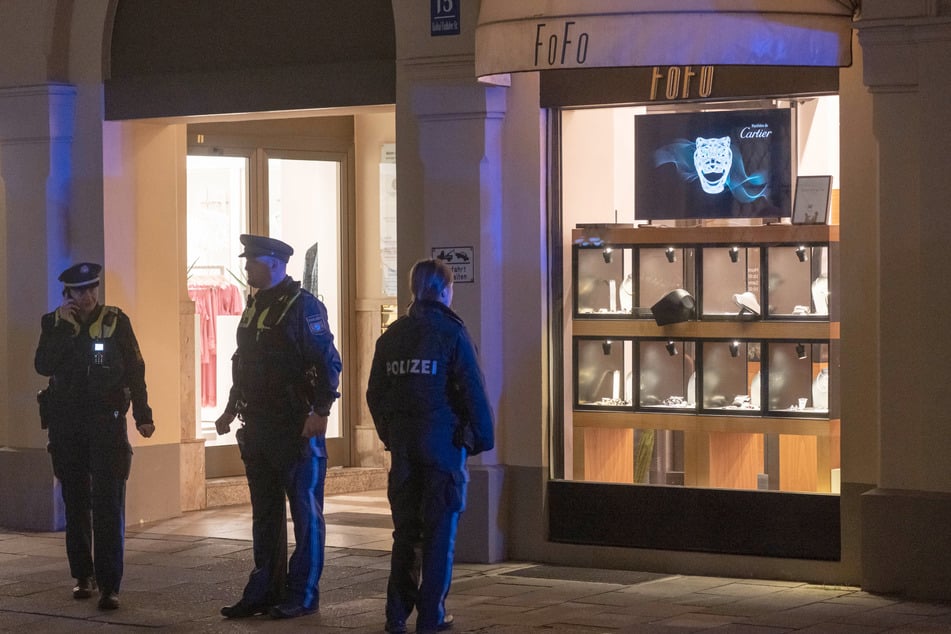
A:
43,398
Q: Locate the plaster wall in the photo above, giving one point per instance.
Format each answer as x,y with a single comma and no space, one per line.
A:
858,298
144,211
905,46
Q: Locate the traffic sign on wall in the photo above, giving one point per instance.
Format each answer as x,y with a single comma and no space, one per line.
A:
460,259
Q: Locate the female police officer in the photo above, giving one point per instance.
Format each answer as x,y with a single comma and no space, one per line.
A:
96,369
427,397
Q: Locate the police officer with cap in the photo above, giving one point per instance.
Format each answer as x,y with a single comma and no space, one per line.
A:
96,370
285,376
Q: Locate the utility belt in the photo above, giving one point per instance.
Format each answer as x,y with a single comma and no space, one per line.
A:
55,408
273,409
270,390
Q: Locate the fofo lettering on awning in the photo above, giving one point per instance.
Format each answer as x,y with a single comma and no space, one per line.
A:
411,366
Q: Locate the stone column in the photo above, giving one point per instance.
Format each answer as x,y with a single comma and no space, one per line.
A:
906,48
458,156
36,172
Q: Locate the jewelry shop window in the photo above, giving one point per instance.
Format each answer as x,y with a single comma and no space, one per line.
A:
700,337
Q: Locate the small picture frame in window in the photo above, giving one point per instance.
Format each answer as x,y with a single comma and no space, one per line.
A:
812,200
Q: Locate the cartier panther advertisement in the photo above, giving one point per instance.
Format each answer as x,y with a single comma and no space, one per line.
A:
715,164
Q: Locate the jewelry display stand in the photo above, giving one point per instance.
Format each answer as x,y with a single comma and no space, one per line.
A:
726,383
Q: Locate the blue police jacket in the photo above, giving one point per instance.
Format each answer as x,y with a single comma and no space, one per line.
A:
426,391
286,363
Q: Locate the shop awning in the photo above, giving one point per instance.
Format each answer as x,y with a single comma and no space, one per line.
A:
531,35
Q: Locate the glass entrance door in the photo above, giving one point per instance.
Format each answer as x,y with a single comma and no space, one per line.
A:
299,197
305,210
218,213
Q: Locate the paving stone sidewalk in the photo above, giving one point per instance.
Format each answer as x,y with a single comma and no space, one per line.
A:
177,583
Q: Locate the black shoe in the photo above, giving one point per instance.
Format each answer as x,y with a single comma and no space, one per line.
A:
242,610
395,627
84,588
290,611
109,601
442,627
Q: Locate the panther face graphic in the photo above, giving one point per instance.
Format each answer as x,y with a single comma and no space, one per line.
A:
712,159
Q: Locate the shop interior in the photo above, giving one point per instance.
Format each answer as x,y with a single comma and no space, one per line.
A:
700,337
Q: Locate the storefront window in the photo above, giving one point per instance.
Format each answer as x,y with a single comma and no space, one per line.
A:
700,333
217,216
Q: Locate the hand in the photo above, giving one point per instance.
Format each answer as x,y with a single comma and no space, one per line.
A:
146,430
68,309
315,425
223,424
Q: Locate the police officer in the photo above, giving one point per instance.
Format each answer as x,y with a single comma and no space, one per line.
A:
96,369
285,376
428,401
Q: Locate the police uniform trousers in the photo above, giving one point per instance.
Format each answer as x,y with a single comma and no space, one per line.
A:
278,465
425,503
92,458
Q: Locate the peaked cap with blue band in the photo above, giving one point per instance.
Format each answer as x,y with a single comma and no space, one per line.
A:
82,274
256,246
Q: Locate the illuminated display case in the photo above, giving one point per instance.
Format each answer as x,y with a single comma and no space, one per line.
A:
605,372
737,396
661,270
667,380
731,282
798,281
605,283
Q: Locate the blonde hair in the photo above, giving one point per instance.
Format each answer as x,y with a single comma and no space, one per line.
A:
429,278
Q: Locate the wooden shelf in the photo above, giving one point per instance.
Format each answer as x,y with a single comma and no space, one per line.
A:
707,423
620,328
758,235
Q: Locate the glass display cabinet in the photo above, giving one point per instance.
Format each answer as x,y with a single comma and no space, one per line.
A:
798,281
661,270
731,282
666,373
798,379
731,377
603,284
737,397
613,281
605,373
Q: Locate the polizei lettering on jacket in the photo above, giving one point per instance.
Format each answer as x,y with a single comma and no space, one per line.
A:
411,366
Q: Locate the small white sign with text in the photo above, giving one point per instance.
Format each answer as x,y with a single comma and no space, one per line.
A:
460,259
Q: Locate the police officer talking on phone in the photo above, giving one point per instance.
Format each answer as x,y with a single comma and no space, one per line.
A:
285,376
96,370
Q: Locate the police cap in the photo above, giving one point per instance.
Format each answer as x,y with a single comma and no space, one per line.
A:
256,246
82,274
